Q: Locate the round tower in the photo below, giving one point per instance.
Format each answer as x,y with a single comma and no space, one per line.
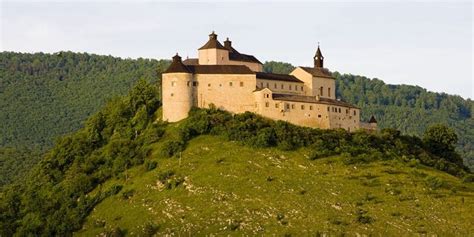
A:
177,91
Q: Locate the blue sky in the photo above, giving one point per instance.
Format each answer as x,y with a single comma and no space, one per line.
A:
425,43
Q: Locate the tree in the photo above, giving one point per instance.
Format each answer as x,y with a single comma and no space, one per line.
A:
441,140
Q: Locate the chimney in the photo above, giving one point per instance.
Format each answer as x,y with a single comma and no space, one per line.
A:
228,44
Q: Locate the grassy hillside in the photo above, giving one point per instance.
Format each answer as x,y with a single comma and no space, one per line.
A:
220,187
216,172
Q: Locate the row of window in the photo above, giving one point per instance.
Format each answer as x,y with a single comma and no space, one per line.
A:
338,110
195,83
282,86
303,107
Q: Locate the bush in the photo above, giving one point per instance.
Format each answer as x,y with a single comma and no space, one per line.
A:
469,178
116,232
362,217
171,148
150,229
433,182
116,188
128,194
150,165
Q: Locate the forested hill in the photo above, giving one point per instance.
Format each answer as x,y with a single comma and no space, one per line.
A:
410,109
43,96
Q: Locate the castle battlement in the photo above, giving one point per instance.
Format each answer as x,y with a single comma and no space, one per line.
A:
235,82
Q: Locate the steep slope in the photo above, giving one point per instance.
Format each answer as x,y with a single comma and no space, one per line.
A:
220,187
253,169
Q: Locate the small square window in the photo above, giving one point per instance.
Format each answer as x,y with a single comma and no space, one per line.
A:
268,85
188,83
319,116
275,86
230,83
209,85
277,105
173,83
267,104
301,88
241,84
282,86
310,107
302,107
289,87
293,106
195,83
287,106
172,94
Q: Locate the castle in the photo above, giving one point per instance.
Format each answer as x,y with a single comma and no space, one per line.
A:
235,82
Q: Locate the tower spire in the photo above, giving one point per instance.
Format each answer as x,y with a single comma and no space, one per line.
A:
318,58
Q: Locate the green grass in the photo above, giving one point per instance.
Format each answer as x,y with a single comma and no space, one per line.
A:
220,187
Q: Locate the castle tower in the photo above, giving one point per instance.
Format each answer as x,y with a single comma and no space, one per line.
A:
213,53
372,123
318,59
177,91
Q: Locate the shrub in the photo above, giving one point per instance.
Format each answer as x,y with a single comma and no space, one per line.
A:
316,154
116,232
265,137
128,194
170,148
433,182
150,165
469,178
115,189
150,229
362,217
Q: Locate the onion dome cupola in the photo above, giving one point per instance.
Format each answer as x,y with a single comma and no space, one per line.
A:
318,59
213,43
177,66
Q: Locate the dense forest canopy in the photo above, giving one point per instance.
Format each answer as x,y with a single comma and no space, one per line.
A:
44,96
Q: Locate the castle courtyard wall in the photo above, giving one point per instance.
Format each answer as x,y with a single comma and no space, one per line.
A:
231,92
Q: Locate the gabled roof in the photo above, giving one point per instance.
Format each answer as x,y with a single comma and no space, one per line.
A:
277,77
220,69
234,55
311,99
177,66
191,61
318,72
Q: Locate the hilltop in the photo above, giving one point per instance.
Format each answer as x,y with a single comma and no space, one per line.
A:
127,173
46,96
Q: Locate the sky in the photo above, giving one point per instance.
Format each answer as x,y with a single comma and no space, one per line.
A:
428,44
